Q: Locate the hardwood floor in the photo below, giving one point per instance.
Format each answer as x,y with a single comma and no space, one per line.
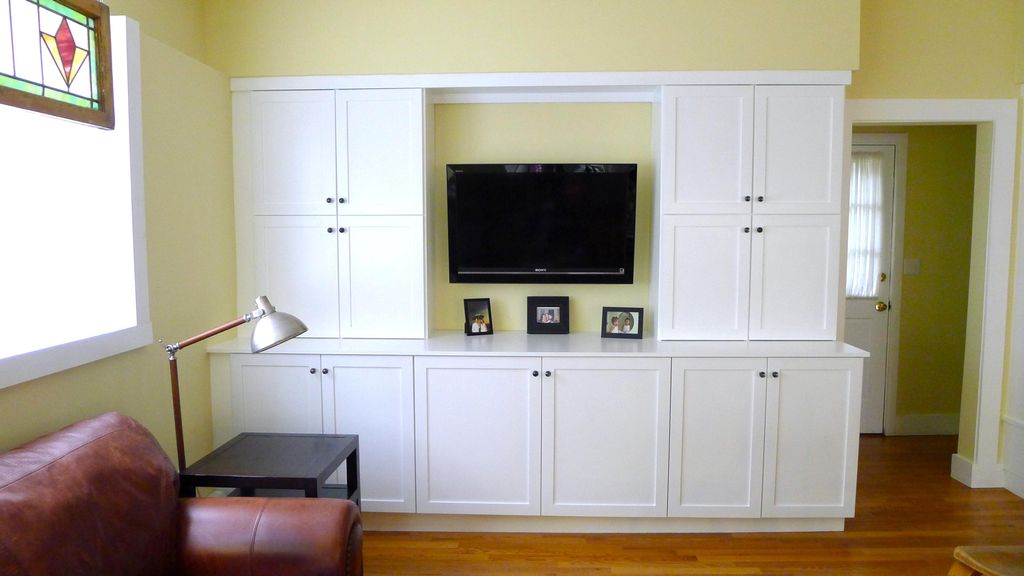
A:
910,516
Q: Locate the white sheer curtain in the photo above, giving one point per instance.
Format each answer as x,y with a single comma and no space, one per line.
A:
865,241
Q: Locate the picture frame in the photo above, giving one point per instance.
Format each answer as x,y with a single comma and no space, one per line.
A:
622,322
547,315
479,321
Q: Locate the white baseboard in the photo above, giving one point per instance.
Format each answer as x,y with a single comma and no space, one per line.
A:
926,425
1013,454
388,522
966,472
960,469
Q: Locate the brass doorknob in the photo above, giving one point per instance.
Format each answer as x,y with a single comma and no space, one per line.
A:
881,306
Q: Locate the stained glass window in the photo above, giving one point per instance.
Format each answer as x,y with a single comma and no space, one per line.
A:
55,58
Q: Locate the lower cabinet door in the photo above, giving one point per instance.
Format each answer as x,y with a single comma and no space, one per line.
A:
478,435
606,424
372,396
276,393
717,438
812,428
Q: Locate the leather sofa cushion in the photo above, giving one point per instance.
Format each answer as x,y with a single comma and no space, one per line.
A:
98,497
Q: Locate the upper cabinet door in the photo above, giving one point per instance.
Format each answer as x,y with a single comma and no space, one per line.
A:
291,156
704,278
794,277
707,146
381,265
798,163
380,151
295,264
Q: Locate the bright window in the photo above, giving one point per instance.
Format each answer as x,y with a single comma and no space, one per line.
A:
864,255
72,244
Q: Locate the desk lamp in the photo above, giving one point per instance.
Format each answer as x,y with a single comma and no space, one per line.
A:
272,328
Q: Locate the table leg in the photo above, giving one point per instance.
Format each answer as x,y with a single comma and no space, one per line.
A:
352,473
247,491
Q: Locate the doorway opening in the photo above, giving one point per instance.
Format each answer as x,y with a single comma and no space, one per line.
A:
908,273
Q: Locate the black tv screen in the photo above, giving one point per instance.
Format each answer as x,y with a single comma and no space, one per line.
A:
541,223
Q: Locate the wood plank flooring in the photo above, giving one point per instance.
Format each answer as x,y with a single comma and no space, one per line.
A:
910,516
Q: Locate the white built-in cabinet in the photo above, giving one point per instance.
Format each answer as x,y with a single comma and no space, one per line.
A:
331,223
683,437
330,204
478,435
717,437
812,430
605,436
371,396
749,213
276,393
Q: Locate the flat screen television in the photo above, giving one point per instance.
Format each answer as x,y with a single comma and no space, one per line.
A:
541,223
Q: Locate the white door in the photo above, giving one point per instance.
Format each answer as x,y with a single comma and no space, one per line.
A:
380,151
380,262
295,260
869,269
478,427
290,158
707,143
794,276
372,396
276,393
717,438
705,277
811,437
798,149
605,436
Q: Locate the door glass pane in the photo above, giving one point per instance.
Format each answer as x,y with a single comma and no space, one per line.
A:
864,255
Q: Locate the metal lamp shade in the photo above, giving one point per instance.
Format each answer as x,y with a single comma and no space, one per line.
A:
275,328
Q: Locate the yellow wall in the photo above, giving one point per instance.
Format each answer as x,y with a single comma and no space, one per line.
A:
177,23
944,49
189,212
937,231
270,37
539,133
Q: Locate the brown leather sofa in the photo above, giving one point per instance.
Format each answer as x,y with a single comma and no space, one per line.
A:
101,497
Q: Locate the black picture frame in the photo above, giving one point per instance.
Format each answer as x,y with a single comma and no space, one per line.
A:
474,308
614,319
547,314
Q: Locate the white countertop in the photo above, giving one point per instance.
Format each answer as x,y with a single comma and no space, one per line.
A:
454,343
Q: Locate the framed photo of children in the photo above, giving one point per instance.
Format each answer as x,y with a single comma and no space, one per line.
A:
547,314
622,322
478,316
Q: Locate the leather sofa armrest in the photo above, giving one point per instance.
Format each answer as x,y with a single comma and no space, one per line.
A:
270,536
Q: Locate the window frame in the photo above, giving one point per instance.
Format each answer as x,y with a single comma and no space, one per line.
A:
102,118
39,363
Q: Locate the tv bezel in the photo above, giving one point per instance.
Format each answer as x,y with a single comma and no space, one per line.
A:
626,277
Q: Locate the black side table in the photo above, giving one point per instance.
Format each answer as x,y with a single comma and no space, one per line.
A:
254,461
